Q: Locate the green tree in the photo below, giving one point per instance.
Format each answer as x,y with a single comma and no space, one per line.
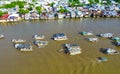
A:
1,13
23,11
39,10
117,1
21,4
14,4
70,0
10,5
33,0
30,7
91,1
52,4
76,1
62,10
97,1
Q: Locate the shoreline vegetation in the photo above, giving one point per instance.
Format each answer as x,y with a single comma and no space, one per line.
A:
21,10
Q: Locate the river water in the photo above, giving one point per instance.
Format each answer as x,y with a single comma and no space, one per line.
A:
48,60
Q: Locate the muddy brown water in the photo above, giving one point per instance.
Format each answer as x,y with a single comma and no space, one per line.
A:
48,60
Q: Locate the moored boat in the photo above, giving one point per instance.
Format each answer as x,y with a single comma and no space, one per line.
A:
59,37
86,33
41,36
1,36
73,49
93,39
18,40
116,39
117,43
102,59
41,44
106,35
109,51
23,47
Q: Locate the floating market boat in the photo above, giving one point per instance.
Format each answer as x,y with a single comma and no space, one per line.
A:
41,44
106,35
102,59
116,39
18,41
41,36
93,39
23,47
59,37
73,49
86,33
109,51
117,43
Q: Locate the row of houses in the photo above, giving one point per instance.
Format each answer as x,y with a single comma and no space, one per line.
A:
48,12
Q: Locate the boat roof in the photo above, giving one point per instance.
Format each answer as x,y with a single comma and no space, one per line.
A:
108,34
73,46
116,38
39,35
4,16
24,45
102,58
59,34
109,50
41,42
118,43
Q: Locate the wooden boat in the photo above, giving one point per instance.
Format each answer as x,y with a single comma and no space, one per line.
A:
102,59
59,37
18,41
106,35
73,49
86,33
41,44
109,51
93,39
23,47
116,39
41,36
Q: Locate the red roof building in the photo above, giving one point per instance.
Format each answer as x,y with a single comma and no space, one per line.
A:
4,16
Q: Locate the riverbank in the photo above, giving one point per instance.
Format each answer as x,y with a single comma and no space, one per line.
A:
53,18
